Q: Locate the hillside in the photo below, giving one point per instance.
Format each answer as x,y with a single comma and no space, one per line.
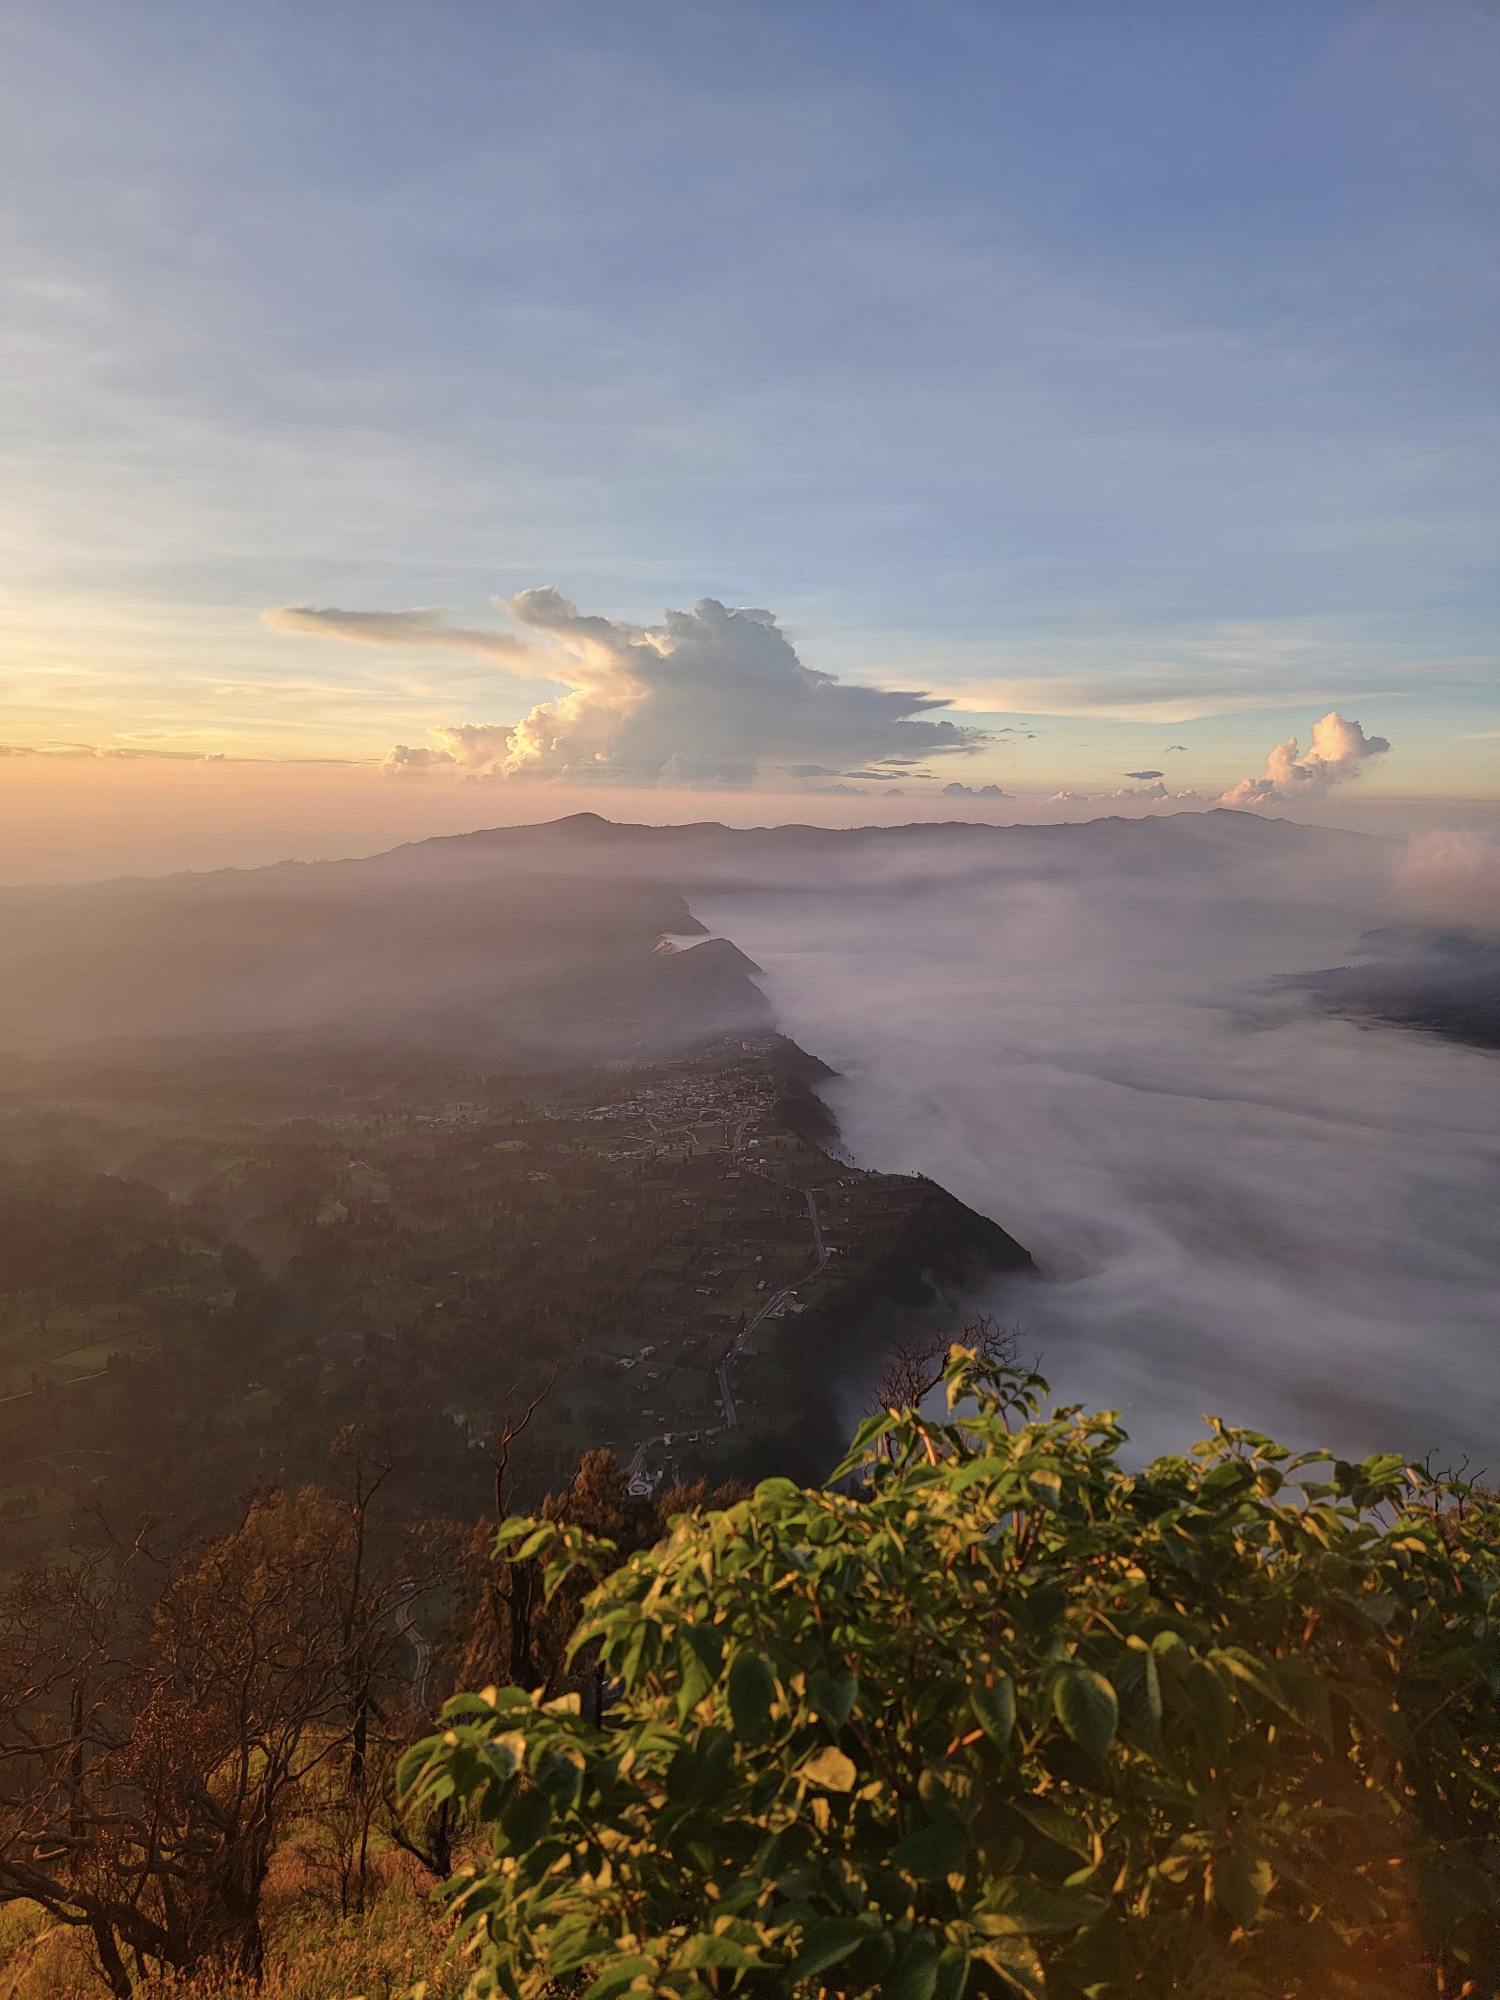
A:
409,1143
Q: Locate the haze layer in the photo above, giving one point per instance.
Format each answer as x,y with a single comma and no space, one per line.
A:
1239,1203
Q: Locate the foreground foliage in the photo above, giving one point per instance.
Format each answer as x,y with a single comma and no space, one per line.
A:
1006,1719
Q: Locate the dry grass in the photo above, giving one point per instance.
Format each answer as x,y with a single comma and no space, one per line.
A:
312,1952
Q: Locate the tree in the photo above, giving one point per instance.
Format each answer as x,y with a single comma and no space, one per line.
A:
150,1770
1010,1719
913,1369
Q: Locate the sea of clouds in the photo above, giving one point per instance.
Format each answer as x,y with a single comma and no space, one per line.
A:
1237,1205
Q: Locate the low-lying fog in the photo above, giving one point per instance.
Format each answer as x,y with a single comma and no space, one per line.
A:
1238,1205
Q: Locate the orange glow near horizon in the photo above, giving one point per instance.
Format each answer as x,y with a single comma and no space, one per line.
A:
85,819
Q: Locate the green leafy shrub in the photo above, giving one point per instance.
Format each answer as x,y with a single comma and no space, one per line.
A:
1008,1719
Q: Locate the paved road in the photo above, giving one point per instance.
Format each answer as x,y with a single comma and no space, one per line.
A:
406,1626
777,1299
731,1415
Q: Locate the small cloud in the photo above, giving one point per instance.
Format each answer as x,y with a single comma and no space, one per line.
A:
403,757
1143,774
1339,747
1068,799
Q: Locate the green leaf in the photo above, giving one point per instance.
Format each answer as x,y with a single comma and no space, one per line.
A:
948,1792
700,1651
752,1689
834,1696
827,1942
933,1852
533,1545
1137,1682
706,1643
1241,1665
995,1709
722,1952
1213,1711
414,1763
1017,1964
952,1974
830,1769
561,1778
1063,1829
916,1972
1087,1708
1017,1905
1242,1882
700,1772
526,1819
615,1978
962,1477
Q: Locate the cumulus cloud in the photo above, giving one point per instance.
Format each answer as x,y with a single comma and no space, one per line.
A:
1451,877
712,696
1153,792
407,757
400,628
956,791
1339,747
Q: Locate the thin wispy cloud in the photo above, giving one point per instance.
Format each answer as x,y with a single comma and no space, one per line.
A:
424,628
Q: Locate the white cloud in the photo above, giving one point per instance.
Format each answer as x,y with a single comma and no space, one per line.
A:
1339,747
406,758
1154,793
711,697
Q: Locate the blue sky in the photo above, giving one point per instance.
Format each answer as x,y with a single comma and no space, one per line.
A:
1126,373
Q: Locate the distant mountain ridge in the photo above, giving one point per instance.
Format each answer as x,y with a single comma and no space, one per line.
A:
523,947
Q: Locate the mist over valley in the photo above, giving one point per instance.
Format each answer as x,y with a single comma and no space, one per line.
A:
1246,1138
507,1100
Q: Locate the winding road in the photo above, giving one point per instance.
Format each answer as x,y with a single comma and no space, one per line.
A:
638,1476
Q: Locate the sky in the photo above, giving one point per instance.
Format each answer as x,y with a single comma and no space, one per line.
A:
411,407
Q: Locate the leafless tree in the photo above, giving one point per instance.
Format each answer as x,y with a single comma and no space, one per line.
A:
150,1762
914,1368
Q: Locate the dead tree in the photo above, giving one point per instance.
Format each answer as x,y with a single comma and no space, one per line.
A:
150,1762
914,1368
